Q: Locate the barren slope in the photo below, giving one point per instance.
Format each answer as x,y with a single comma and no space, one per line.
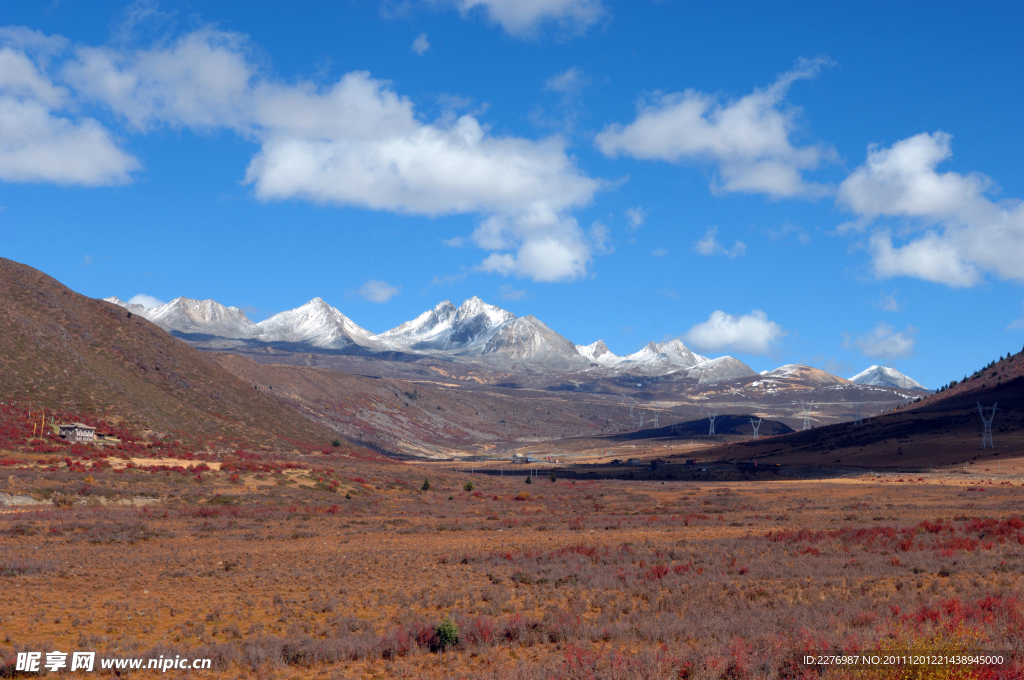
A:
443,416
65,351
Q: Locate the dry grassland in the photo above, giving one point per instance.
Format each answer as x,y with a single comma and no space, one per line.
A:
285,577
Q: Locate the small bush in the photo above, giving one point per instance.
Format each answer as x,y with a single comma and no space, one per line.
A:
529,480
553,477
468,486
426,485
446,634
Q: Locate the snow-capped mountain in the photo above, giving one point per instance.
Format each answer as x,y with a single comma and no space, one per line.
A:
473,331
717,370
664,355
529,339
185,315
315,324
598,353
446,328
134,309
653,359
887,377
477,329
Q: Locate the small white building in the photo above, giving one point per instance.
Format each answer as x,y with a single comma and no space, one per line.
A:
78,432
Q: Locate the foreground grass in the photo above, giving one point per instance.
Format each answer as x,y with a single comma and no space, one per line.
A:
549,580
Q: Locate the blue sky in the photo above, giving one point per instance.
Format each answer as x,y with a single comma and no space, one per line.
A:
784,183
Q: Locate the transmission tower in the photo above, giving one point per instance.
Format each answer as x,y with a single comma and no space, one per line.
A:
858,420
628,402
642,419
655,417
986,435
756,426
711,417
807,413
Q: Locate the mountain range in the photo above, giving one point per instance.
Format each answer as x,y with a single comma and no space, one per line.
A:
472,332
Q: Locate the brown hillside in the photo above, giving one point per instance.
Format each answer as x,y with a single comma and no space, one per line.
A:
61,350
943,429
439,417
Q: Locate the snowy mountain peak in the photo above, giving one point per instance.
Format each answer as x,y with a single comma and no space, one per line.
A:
595,351
672,353
429,322
317,324
467,327
529,339
883,376
474,306
185,315
133,308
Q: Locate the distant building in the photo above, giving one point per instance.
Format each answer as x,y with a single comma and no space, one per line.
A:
77,432
633,461
659,464
691,461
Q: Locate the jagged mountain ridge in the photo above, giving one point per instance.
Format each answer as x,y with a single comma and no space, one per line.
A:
315,323
474,331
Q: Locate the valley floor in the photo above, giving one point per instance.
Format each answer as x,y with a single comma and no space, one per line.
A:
562,579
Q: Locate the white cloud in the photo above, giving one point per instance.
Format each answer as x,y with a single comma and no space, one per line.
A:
510,293
203,80
1016,324
887,302
37,142
147,301
378,291
522,18
885,342
636,217
747,139
786,229
356,142
750,333
420,45
569,82
659,252
600,238
954,231
709,245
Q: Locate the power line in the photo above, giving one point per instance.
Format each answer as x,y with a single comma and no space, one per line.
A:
986,434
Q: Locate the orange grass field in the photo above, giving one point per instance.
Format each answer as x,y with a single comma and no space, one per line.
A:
322,570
